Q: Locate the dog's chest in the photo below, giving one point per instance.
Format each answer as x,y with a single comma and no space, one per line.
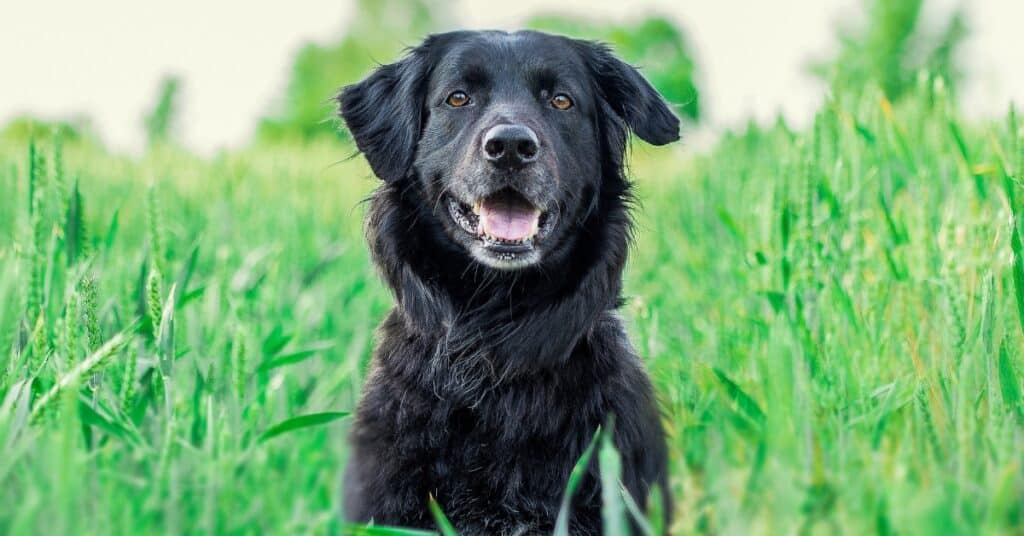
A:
507,446
506,454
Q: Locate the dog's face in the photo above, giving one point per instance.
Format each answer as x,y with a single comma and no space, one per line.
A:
508,135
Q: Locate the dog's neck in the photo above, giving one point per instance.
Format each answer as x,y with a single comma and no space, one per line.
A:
468,310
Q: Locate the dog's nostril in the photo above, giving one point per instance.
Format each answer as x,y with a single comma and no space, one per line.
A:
494,148
527,149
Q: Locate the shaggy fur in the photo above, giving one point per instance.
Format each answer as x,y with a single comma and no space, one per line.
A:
488,382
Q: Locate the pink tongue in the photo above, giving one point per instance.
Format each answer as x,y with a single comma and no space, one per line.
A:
508,221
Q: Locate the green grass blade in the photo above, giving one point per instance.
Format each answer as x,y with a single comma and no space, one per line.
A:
613,511
1009,383
185,275
112,228
300,422
443,524
380,530
579,471
636,512
747,405
295,356
92,417
1017,268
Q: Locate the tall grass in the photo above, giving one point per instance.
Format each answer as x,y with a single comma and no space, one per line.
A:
833,319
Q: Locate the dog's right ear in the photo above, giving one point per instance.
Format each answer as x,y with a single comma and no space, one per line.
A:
384,113
630,95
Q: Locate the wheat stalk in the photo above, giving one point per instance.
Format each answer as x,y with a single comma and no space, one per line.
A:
89,365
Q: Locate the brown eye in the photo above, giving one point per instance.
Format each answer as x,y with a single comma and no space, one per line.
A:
457,99
561,102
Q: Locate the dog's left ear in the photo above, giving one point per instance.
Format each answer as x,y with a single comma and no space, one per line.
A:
384,113
630,95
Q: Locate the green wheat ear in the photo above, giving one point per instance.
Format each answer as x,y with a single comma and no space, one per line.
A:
90,312
72,317
37,240
40,344
153,301
154,219
75,233
91,319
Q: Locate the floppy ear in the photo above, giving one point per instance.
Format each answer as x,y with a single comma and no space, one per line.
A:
384,113
632,98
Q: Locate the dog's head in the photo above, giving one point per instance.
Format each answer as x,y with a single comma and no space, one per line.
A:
512,139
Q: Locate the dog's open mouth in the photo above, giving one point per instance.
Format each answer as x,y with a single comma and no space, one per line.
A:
505,221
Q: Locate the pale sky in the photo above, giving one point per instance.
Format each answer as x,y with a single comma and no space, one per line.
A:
104,58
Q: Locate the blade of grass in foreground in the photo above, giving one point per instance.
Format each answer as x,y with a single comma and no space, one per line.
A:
636,512
442,520
371,530
613,511
575,478
302,421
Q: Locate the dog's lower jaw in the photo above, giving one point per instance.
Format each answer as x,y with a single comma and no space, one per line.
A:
507,262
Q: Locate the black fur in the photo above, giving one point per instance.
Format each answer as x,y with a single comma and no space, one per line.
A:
488,383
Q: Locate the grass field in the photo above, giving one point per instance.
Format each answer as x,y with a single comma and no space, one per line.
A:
832,317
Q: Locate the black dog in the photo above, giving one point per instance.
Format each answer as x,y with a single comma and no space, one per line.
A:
502,228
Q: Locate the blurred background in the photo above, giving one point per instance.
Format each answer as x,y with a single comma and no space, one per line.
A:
236,71
827,285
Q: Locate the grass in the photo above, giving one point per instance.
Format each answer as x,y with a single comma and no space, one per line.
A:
833,319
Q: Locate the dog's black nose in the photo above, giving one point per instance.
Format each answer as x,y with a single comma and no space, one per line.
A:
511,146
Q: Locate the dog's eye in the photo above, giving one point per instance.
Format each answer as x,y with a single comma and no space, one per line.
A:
561,102
457,99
